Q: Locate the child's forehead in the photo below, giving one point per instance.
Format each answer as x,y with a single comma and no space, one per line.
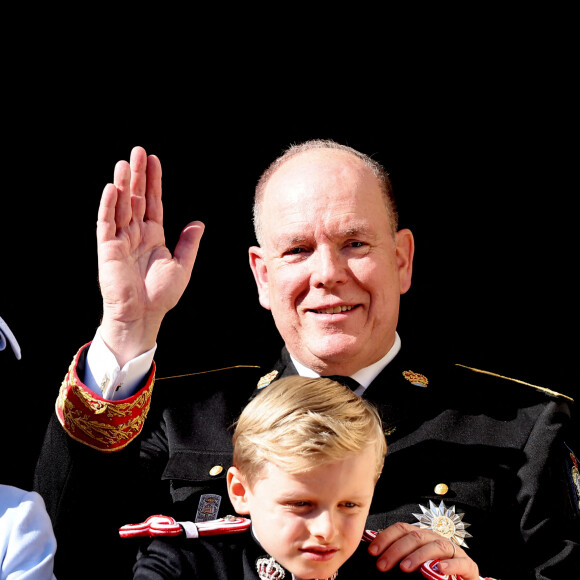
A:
320,475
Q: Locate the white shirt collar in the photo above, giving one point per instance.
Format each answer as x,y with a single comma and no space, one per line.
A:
363,376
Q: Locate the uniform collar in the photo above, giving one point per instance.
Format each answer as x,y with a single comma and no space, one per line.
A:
363,377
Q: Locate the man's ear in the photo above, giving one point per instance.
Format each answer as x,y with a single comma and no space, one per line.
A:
405,252
238,491
260,271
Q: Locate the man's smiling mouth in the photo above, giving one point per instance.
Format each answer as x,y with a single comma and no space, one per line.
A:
334,309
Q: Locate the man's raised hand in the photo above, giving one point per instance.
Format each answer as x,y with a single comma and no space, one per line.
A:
140,279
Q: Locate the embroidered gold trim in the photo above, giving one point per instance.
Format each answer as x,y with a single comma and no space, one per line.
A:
98,423
549,391
416,379
107,434
267,379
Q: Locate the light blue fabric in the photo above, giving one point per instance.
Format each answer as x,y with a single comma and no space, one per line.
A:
6,336
27,542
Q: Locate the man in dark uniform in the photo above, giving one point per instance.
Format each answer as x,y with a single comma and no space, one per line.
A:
466,448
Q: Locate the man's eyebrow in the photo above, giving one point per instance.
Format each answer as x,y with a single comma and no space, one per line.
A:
349,232
361,231
290,240
354,231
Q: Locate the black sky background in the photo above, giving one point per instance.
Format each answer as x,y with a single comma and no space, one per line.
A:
482,154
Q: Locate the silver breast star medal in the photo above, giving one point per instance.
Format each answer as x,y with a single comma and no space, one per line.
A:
444,521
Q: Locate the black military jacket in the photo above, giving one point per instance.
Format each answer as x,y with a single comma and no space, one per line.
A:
499,448
232,557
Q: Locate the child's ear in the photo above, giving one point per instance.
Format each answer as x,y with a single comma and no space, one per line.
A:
238,491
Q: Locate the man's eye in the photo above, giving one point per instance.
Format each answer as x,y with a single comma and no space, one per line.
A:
356,244
349,504
295,251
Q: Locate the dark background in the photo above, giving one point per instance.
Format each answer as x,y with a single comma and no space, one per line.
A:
482,159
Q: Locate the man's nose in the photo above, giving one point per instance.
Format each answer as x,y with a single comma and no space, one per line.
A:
328,268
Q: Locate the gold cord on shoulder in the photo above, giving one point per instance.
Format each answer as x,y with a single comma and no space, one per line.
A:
549,391
210,371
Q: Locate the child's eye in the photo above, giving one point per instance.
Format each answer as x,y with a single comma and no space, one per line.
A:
299,504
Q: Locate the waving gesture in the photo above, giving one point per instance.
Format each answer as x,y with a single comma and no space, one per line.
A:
140,279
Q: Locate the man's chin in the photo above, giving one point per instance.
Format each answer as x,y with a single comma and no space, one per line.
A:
330,359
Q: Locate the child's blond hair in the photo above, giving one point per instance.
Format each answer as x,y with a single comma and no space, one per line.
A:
298,423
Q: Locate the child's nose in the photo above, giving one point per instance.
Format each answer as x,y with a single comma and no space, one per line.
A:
323,526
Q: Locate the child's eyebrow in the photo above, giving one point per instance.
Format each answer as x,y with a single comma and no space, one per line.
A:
294,494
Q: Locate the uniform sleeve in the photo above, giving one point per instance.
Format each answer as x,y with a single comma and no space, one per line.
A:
162,560
95,421
91,477
550,524
28,542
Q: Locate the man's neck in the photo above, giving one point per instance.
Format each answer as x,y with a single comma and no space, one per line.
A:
363,376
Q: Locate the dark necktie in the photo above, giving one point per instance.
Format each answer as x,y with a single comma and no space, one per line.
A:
346,381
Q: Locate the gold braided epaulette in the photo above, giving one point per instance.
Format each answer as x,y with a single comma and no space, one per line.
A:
94,421
544,389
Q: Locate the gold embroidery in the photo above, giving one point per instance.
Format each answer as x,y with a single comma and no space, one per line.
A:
416,379
267,379
104,432
111,408
100,424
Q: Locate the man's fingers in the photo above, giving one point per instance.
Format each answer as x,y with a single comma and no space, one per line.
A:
437,549
106,224
122,180
388,536
138,185
139,188
188,245
154,209
410,546
401,549
464,567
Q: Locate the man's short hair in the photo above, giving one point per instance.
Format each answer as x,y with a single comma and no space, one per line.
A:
376,168
298,423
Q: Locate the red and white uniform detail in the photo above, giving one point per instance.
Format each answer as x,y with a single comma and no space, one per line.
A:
159,526
430,570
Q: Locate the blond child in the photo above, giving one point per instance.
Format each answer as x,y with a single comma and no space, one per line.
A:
307,455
